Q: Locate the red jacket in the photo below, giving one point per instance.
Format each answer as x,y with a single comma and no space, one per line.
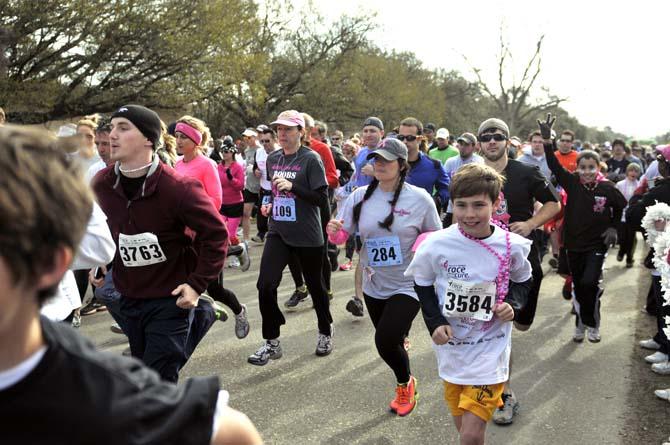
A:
165,206
328,162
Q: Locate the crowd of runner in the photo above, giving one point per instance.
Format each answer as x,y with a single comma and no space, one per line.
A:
453,227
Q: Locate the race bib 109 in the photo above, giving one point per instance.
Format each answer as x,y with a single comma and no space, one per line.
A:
283,209
139,250
475,300
384,251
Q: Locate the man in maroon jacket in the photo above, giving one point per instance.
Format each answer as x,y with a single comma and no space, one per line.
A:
160,268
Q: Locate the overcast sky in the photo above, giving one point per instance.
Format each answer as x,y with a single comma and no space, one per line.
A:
609,58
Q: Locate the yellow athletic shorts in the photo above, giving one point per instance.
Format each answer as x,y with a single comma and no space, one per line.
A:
480,400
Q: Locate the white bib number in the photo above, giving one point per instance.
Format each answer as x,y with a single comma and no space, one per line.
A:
283,209
139,250
384,251
475,300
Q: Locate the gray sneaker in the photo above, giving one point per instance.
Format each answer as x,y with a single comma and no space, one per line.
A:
242,323
593,334
265,353
324,343
505,415
245,261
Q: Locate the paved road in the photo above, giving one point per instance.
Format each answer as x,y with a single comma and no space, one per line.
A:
569,393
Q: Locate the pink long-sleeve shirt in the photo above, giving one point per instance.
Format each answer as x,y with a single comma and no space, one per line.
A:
232,189
204,170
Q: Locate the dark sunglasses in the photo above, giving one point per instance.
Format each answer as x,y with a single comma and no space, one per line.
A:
408,138
496,137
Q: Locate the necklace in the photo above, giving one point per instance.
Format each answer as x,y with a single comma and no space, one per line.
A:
502,280
133,170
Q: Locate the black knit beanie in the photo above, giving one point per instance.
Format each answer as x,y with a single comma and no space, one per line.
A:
146,120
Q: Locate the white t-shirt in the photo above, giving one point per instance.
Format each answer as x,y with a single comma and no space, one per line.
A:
478,354
261,162
415,213
93,170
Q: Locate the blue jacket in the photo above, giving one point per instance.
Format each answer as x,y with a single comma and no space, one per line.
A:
430,175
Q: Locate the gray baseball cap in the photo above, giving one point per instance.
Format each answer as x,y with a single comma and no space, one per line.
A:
493,123
375,122
468,138
390,149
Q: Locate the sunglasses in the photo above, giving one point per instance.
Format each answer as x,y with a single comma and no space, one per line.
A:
265,141
408,138
496,137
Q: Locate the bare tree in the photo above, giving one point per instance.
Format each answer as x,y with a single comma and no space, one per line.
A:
512,98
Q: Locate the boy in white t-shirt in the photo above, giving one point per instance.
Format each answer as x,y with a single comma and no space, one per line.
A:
472,279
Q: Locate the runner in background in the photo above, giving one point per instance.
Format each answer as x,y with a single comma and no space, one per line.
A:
268,140
299,190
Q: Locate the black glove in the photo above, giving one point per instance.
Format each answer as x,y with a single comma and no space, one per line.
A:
545,127
609,236
229,174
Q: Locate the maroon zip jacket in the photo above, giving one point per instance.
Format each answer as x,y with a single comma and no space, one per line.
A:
165,206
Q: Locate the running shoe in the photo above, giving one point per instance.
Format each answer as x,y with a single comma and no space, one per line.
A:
324,343
355,306
257,239
630,264
244,261
656,357
593,335
92,308
505,414
405,398
298,296
234,250
270,350
242,323
619,257
115,328
76,319
233,261
662,368
346,266
663,394
649,343
578,336
219,311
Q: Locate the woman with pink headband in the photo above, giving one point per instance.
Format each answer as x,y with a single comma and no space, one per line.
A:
192,135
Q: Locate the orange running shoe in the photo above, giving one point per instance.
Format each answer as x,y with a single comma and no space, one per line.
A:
405,398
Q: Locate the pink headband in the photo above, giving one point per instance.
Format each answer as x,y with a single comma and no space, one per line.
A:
190,132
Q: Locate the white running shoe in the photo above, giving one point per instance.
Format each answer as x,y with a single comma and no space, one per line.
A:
233,262
593,334
663,394
662,368
656,357
649,343
578,336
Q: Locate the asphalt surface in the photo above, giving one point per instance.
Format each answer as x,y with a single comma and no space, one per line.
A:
569,393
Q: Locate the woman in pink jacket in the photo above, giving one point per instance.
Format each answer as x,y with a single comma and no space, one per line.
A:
231,174
192,135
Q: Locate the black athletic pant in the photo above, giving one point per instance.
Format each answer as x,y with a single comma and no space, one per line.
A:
527,313
276,255
350,247
661,312
627,241
81,277
392,319
586,269
294,264
225,296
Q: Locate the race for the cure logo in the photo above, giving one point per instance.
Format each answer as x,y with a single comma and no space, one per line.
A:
599,206
456,271
402,212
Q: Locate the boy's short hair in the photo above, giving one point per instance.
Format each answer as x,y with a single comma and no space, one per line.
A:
44,205
476,179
